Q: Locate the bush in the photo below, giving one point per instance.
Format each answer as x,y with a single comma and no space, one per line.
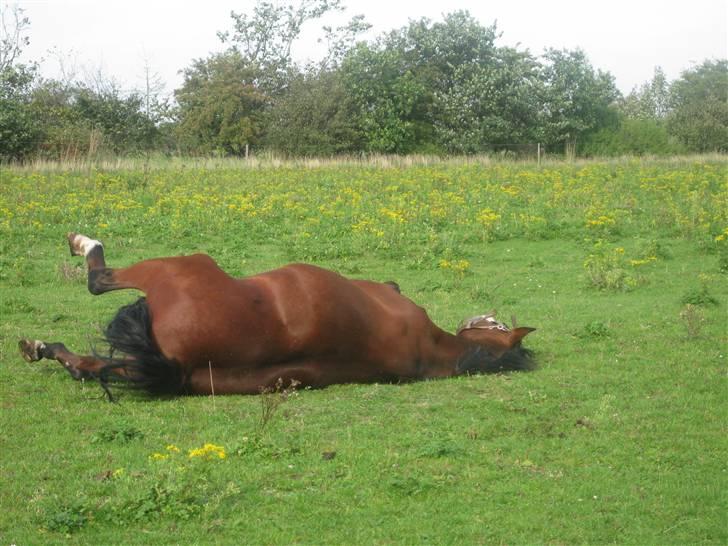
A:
632,137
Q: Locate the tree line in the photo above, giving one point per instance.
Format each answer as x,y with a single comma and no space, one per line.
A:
444,87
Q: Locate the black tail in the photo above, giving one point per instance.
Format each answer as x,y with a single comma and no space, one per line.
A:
481,361
145,368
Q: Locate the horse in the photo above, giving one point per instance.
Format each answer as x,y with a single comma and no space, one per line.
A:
197,330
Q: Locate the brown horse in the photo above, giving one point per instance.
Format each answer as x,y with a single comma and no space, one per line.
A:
200,331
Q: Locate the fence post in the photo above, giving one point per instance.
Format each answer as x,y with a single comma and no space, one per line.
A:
538,154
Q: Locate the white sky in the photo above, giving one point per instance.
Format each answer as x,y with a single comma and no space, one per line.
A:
627,38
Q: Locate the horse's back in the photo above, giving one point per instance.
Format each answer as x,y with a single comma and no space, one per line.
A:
359,321
299,312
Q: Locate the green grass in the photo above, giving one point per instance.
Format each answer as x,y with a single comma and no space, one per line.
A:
618,437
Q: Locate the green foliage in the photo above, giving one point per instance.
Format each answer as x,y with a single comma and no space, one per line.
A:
65,518
699,101
316,117
171,498
388,97
577,99
125,128
443,87
489,104
77,122
263,39
721,247
399,81
698,296
654,249
19,128
119,434
632,137
607,269
219,105
651,101
595,329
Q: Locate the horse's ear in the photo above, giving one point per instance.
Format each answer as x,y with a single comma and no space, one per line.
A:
518,334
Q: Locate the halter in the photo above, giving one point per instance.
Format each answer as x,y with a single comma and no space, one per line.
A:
482,322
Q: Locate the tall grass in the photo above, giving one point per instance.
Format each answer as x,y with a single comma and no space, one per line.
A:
158,162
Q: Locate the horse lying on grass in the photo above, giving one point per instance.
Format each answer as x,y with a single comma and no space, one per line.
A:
200,331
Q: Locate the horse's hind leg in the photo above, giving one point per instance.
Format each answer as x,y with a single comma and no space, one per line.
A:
80,367
100,278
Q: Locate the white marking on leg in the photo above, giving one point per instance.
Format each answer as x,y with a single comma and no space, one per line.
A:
85,244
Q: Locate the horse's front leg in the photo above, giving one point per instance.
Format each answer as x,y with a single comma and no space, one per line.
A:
79,366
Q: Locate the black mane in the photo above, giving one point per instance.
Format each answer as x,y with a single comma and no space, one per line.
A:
479,360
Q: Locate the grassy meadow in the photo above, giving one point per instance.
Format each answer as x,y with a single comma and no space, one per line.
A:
618,437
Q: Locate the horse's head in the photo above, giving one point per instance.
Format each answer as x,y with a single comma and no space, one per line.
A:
495,336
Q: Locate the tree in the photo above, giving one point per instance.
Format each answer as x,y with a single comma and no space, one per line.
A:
699,102
220,108
490,105
14,26
389,100
397,80
264,40
340,41
315,117
20,130
577,99
121,120
225,99
650,101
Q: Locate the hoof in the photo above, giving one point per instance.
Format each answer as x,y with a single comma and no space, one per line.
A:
30,349
80,245
72,246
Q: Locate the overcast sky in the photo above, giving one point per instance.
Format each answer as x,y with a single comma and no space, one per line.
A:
626,38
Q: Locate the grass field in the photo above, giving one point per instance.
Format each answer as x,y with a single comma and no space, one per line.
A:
618,437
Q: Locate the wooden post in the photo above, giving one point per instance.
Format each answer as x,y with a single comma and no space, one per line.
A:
538,153
246,150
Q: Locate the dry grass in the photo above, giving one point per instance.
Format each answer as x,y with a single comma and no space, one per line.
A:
362,160
71,273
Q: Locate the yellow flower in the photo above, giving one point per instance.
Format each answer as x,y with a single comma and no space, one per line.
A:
459,266
158,456
488,217
208,451
644,261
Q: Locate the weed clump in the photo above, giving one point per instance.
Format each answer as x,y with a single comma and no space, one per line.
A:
271,399
65,519
593,330
606,269
119,434
699,296
693,319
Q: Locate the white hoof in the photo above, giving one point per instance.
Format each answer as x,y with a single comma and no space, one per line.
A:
81,245
30,349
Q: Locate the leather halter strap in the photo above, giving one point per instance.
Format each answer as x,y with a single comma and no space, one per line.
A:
482,322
